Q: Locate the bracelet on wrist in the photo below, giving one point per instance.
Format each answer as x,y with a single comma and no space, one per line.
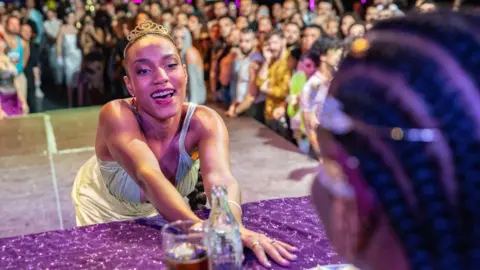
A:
237,205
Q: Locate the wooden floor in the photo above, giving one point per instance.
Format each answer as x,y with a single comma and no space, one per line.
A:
41,153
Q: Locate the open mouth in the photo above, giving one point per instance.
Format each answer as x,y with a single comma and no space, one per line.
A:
163,94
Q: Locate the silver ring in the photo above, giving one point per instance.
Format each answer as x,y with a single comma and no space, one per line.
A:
254,244
273,241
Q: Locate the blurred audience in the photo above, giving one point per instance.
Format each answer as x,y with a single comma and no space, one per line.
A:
270,62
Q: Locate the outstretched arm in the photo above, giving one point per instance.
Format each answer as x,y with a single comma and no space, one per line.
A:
215,157
215,167
128,147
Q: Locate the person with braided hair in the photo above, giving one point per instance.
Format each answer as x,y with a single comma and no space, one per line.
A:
399,185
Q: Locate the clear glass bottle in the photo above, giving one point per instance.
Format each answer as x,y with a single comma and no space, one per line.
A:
226,247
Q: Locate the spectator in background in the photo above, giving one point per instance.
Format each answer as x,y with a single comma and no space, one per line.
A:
12,101
187,8
241,22
220,9
121,31
273,79
181,19
52,29
346,22
332,27
69,56
247,55
132,9
28,33
36,17
308,64
195,25
263,11
310,34
221,50
155,12
324,9
277,13
297,19
315,91
139,17
92,44
305,12
356,30
292,35
371,15
264,27
191,58
289,8
167,19
247,11
18,50
232,10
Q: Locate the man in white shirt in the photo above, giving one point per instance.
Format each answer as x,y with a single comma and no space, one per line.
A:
315,90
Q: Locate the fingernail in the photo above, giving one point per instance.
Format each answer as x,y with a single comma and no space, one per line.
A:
294,257
269,264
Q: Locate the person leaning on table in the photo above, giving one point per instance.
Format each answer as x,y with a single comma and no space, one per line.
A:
144,146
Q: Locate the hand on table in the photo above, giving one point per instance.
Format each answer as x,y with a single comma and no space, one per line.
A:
262,246
3,115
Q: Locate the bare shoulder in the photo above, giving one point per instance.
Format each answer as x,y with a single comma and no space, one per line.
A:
207,121
116,114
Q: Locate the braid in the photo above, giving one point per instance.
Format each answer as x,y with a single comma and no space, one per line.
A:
418,166
460,36
402,220
434,239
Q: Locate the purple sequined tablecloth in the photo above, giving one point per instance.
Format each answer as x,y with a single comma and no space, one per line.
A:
137,244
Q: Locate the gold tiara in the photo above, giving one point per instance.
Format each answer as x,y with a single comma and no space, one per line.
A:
147,28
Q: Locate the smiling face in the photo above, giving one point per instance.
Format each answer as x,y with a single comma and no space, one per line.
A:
156,76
